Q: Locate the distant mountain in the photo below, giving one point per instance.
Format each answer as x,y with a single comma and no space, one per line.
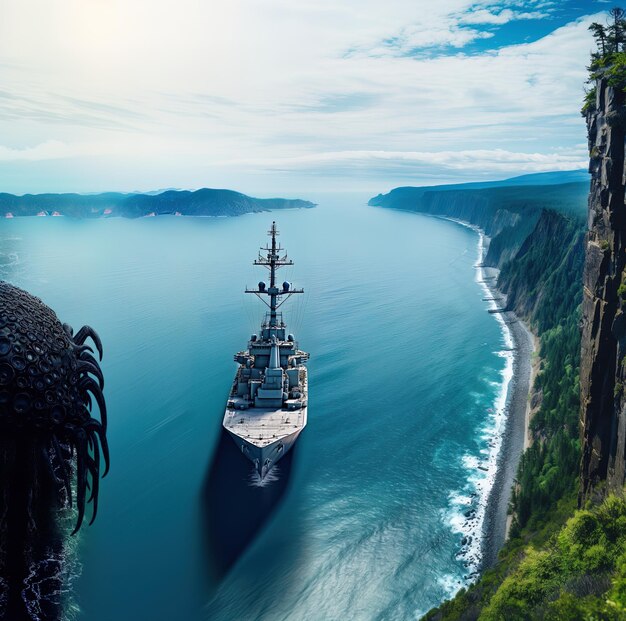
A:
159,191
548,178
454,200
534,179
204,202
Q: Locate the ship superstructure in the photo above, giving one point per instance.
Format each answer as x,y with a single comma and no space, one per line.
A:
267,406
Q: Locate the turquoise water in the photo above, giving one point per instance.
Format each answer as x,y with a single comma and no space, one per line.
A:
358,522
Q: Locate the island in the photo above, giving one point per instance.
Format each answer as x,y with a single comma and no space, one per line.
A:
202,202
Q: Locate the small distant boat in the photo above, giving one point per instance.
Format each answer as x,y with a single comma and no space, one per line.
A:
56,214
177,213
8,214
150,215
42,213
267,407
107,212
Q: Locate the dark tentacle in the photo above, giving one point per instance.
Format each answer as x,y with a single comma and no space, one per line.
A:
94,427
88,332
54,399
94,466
88,384
95,487
86,354
81,349
85,366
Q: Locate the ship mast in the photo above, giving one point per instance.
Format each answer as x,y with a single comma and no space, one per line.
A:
273,261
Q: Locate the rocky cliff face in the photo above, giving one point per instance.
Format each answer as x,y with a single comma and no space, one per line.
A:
603,376
542,282
508,214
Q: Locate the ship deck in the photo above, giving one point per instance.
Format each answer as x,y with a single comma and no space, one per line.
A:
261,426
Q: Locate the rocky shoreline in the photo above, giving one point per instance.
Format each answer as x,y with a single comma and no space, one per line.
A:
487,515
495,525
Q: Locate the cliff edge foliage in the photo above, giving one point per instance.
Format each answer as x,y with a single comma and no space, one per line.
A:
543,282
564,563
609,61
576,573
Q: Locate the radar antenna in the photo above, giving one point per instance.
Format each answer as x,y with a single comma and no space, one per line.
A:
273,261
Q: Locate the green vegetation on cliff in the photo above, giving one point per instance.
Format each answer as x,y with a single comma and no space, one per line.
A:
506,210
559,563
562,563
543,284
609,61
539,236
577,572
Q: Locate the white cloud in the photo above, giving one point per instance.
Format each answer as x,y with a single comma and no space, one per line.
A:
51,149
453,29
420,36
504,16
154,93
499,160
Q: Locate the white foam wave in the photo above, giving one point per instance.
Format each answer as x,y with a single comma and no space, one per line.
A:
467,508
270,477
450,584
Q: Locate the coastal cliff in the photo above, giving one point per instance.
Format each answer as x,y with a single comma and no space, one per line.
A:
542,281
539,234
523,222
540,266
565,559
603,375
507,211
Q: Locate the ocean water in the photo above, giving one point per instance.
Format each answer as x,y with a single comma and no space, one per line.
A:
365,518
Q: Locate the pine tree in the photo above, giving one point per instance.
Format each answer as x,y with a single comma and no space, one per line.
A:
616,29
599,34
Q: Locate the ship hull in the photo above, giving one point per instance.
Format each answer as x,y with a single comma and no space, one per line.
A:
264,458
266,435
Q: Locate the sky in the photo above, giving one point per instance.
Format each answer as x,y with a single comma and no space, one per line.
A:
285,97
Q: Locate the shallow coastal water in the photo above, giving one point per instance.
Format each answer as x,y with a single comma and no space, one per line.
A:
365,518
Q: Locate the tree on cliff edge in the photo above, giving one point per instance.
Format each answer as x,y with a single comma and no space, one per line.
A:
599,34
610,39
609,61
615,31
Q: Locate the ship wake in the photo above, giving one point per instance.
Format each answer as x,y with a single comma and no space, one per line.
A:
272,475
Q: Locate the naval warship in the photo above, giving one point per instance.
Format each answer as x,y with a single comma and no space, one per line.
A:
267,405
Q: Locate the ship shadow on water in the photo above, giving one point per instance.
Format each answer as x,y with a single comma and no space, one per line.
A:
236,504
